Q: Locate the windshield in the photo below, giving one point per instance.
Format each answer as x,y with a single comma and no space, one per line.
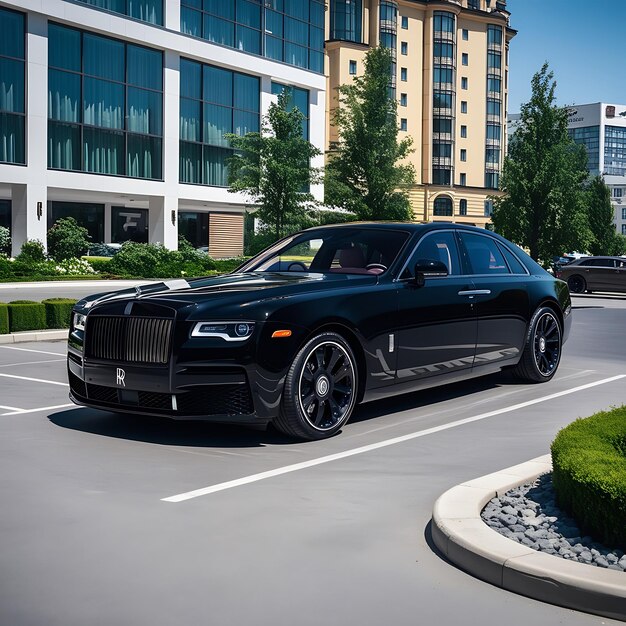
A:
335,250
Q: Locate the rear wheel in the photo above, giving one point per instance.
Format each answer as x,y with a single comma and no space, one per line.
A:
542,352
576,284
320,389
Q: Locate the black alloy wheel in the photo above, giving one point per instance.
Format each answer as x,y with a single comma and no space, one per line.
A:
547,344
320,389
542,352
576,284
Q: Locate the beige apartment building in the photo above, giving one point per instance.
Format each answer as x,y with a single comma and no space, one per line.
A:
450,80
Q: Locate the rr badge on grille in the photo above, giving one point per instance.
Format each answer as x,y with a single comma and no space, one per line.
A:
121,375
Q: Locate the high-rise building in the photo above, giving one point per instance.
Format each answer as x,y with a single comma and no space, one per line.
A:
450,79
114,111
601,128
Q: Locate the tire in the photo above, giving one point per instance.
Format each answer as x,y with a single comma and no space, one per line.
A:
320,389
576,284
542,351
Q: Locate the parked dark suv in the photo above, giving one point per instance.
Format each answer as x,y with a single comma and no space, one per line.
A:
595,273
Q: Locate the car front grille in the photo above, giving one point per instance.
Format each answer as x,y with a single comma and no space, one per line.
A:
99,393
77,386
129,339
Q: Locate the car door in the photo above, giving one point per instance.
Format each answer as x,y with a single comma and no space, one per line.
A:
436,327
501,302
619,280
596,273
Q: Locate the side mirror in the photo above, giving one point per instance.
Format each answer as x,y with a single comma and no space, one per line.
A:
428,268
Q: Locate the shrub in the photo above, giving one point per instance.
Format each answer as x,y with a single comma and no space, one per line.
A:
67,239
4,318
24,315
156,261
102,250
58,312
100,265
5,240
5,267
26,268
32,251
589,474
224,266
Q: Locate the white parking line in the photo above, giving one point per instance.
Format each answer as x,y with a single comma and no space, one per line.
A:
36,380
42,408
32,362
31,350
11,408
246,480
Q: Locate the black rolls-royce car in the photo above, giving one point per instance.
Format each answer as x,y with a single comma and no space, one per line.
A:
319,322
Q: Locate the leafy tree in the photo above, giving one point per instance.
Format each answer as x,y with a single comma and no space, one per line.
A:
274,168
365,173
600,211
67,239
543,178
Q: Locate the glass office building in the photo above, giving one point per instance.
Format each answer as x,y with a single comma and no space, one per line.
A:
115,111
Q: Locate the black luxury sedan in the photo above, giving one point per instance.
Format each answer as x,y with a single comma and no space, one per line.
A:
319,322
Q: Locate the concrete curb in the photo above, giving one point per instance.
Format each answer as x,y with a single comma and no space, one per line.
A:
34,335
459,532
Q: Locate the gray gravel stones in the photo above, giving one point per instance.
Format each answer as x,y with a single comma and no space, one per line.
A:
529,515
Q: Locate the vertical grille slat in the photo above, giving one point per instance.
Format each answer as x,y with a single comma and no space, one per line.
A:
129,339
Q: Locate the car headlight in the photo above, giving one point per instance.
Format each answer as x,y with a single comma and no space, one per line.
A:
228,331
79,321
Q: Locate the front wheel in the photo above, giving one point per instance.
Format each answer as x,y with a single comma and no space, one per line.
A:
320,389
542,351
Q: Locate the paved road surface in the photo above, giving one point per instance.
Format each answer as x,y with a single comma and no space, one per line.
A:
86,538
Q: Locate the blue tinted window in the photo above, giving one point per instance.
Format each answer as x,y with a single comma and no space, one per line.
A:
145,10
214,102
145,67
120,122
12,87
11,34
98,49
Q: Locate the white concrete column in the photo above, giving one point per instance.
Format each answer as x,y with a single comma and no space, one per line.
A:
107,222
172,15
171,147
163,221
29,221
29,215
317,134
266,94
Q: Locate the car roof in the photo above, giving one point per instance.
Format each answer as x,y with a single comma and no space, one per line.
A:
603,258
408,226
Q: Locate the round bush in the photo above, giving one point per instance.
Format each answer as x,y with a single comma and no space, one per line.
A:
67,239
589,474
32,251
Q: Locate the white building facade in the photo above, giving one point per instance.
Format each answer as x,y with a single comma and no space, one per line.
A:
601,128
114,111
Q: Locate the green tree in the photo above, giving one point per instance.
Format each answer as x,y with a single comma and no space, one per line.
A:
67,239
274,168
600,211
366,172
543,178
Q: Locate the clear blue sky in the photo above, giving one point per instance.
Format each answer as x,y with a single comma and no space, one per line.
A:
581,40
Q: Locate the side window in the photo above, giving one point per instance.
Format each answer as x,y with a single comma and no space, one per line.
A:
586,263
603,263
435,247
484,255
514,264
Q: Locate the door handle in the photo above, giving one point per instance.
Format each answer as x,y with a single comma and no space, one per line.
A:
475,292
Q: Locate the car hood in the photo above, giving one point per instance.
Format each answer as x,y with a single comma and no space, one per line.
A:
225,292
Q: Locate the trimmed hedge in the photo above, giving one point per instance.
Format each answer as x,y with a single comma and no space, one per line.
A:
4,318
589,474
25,315
58,312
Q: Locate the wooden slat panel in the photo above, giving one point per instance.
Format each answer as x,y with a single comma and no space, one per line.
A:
225,235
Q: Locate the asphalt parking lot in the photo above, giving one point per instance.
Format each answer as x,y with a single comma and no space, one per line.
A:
109,519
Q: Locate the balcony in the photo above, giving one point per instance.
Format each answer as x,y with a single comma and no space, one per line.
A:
442,136
492,143
493,117
445,61
444,35
445,162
